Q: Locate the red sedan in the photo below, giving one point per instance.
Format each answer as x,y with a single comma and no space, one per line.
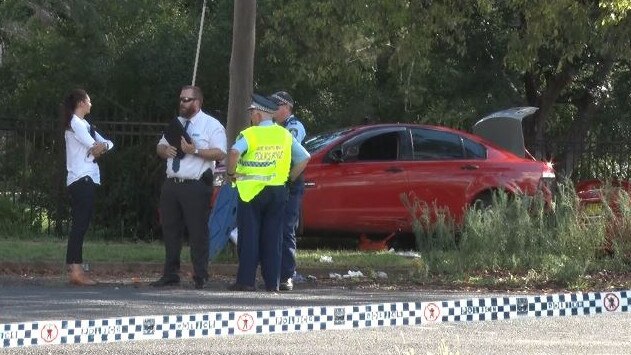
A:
356,176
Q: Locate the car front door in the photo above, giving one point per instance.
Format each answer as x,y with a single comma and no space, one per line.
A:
361,190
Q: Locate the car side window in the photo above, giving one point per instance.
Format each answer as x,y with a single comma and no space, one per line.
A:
473,150
430,144
380,147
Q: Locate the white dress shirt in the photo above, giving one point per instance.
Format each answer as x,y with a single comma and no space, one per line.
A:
206,133
79,162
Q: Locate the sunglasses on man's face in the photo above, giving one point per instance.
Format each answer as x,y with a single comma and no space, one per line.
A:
187,99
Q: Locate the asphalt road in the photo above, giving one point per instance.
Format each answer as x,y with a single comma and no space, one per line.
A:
29,300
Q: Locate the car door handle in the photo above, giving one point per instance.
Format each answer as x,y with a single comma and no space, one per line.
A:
310,184
470,167
394,169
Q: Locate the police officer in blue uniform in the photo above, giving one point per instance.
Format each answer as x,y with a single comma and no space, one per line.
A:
284,116
261,161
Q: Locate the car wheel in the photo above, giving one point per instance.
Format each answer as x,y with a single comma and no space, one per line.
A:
483,201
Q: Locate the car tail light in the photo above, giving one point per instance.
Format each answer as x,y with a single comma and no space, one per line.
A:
547,184
548,177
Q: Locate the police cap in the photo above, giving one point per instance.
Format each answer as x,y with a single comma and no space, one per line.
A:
282,98
261,103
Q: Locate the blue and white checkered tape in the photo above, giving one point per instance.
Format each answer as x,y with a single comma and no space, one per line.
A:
304,319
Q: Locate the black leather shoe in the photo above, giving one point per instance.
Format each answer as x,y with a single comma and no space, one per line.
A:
286,285
166,281
199,282
238,287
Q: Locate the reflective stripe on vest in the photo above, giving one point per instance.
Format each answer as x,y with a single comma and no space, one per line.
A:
266,162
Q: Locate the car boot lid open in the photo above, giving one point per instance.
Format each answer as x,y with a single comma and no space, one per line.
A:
505,129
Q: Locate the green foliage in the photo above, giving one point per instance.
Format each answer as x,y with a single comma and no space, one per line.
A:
132,68
18,219
518,235
128,202
344,61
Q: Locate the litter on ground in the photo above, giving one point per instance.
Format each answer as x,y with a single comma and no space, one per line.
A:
326,259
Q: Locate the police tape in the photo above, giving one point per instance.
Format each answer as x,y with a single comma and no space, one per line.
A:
304,319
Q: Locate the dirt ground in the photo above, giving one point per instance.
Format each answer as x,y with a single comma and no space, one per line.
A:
386,279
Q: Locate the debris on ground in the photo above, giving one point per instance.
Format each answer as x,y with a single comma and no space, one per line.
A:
326,259
367,244
298,278
407,254
381,275
353,274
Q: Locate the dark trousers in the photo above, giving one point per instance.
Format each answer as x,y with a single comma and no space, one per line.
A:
82,206
185,206
292,218
260,223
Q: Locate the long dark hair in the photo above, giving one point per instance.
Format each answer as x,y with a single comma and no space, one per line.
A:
69,105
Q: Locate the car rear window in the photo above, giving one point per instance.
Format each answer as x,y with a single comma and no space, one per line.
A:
429,144
473,150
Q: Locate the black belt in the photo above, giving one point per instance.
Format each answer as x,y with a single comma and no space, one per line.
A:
178,180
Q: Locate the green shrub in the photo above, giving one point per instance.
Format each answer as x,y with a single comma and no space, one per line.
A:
516,234
18,220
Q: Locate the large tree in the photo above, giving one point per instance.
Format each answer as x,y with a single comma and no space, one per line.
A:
451,61
241,66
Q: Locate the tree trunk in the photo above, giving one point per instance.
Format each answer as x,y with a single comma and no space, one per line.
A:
586,105
545,101
241,67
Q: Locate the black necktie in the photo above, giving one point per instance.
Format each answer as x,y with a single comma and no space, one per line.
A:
176,160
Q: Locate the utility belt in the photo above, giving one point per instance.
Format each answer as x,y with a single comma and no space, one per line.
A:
178,180
207,178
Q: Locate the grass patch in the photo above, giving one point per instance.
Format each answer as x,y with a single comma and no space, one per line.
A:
516,243
348,259
51,250
522,236
48,250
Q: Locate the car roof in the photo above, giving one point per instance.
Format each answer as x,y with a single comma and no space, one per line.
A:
358,129
501,130
362,128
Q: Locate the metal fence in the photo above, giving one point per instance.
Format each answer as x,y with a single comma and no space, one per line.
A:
32,185
33,191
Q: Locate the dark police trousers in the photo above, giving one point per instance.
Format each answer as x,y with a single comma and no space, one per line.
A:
260,236
82,205
185,206
290,225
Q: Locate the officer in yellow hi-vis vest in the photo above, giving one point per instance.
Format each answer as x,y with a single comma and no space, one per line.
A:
259,164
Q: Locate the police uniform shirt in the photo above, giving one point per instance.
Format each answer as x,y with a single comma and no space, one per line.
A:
295,127
206,133
79,162
298,152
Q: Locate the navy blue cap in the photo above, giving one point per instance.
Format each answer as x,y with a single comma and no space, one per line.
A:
261,103
282,98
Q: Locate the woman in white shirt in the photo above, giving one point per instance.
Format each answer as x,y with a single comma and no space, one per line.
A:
83,147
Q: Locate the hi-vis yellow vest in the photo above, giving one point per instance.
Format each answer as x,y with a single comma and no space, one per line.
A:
266,162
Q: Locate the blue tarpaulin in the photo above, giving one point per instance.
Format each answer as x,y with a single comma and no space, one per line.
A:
222,220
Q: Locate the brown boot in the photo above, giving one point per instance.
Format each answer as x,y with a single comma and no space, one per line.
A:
77,276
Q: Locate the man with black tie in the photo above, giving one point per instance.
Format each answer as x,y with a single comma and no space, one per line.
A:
185,198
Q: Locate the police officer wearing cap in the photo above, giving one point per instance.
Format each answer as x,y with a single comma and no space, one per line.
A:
259,164
284,117
185,198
